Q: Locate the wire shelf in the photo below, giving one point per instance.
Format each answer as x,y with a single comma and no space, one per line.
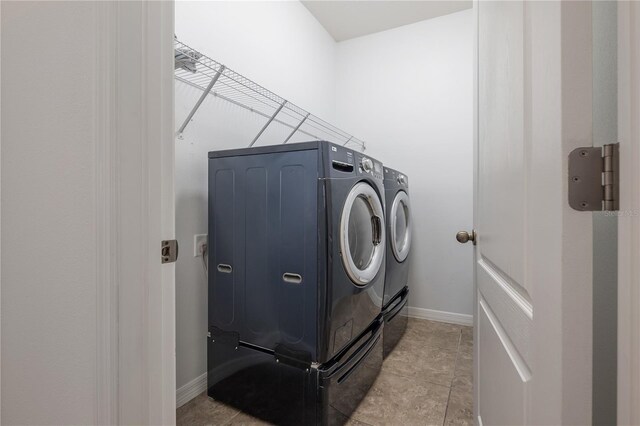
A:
215,79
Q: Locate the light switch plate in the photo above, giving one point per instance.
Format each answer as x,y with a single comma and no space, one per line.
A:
198,241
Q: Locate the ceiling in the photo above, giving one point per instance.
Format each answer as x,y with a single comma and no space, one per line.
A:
349,19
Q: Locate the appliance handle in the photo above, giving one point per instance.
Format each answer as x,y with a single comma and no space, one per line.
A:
290,277
225,268
359,354
357,364
396,310
402,294
376,224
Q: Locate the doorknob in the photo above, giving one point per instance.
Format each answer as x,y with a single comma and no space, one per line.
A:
464,236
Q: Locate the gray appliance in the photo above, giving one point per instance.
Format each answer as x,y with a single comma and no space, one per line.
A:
297,263
396,286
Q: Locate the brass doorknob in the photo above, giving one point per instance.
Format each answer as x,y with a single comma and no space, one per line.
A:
464,237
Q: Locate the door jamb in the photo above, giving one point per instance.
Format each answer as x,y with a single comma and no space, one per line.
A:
135,319
629,215
476,110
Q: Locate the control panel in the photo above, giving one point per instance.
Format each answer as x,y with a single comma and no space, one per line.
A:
368,166
347,161
397,177
342,159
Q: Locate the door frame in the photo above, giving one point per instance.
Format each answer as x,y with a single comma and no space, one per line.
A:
135,318
629,217
154,33
476,139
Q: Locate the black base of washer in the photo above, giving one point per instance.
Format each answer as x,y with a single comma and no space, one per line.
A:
251,380
396,316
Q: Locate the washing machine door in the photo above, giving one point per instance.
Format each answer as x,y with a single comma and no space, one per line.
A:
400,226
362,234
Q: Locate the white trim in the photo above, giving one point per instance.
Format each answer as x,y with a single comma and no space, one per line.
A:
143,216
191,389
476,137
160,126
441,316
508,288
516,359
629,219
0,222
106,267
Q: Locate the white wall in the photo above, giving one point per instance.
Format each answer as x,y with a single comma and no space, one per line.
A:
408,93
278,45
48,213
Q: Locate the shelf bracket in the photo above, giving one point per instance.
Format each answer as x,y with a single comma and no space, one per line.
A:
267,124
297,127
202,98
348,140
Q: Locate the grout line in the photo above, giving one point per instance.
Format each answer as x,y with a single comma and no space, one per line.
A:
455,366
359,421
446,410
232,417
440,346
418,378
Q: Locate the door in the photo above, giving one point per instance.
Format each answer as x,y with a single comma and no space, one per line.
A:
533,258
362,234
400,226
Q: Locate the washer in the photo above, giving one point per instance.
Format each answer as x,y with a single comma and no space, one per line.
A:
297,247
396,288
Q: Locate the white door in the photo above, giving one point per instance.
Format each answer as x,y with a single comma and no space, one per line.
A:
533,262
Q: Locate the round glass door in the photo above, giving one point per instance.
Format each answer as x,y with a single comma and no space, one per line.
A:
400,226
362,234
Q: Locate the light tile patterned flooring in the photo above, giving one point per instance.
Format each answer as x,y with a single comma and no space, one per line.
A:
427,380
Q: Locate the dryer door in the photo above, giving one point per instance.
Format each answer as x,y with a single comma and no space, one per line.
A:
362,234
400,224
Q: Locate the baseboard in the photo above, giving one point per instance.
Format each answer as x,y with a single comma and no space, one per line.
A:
441,316
190,390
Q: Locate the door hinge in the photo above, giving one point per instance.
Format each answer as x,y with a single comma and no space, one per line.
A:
169,251
594,178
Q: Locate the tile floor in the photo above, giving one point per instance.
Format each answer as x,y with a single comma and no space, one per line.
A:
427,380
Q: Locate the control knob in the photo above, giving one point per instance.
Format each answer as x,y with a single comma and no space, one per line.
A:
402,180
367,164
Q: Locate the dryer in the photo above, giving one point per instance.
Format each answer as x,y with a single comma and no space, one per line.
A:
396,287
297,252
